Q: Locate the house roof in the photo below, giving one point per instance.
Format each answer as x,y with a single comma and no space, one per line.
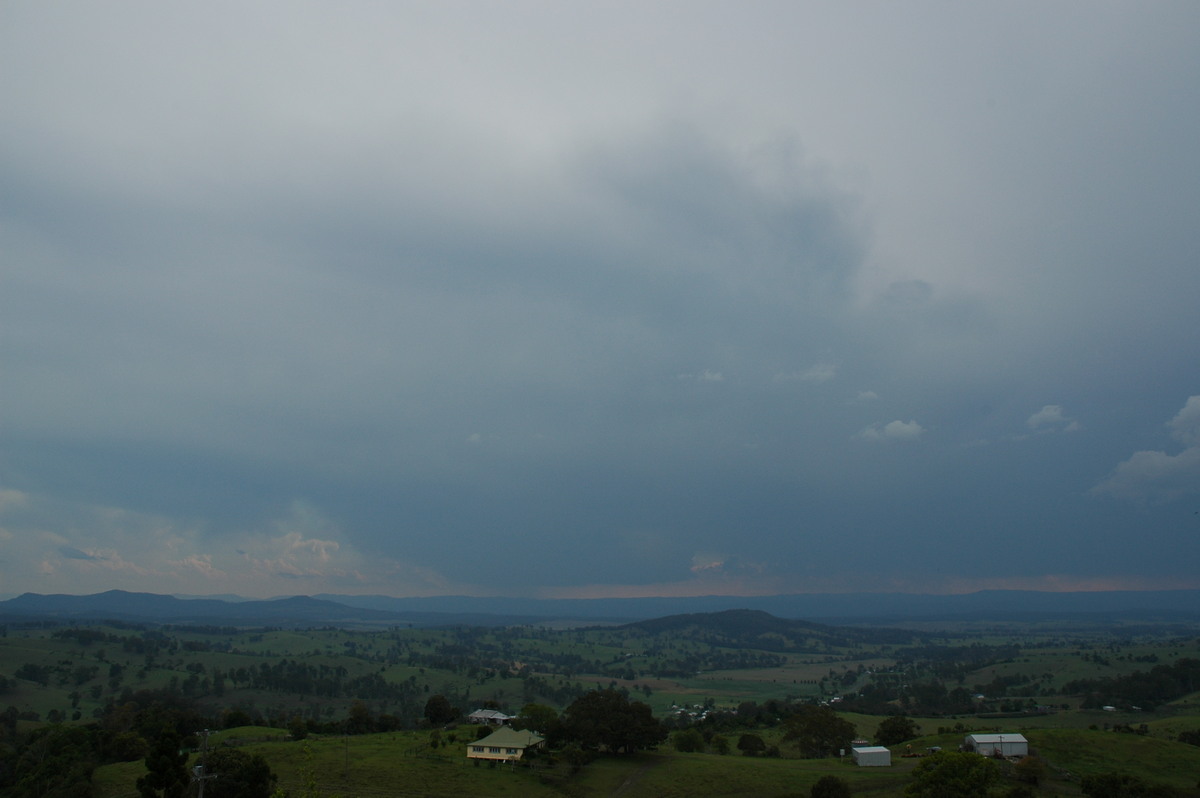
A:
505,737
997,738
489,713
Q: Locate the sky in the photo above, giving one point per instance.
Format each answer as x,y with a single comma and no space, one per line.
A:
599,299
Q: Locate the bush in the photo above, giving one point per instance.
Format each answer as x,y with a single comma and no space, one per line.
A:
688,741
751,745
830,787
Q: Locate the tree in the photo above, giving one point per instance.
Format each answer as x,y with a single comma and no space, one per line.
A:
438,710
751,745
232,718
541,719
238,775
895,730
297,728
166,766
950,774
359,720
608,719
818,732
830,787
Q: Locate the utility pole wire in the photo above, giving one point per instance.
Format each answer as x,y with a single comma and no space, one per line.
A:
200,772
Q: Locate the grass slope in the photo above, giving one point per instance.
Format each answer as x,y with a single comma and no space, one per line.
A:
1086,752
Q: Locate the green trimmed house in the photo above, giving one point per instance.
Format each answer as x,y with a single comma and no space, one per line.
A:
505,745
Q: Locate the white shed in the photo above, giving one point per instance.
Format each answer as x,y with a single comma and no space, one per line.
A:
997,744
872,756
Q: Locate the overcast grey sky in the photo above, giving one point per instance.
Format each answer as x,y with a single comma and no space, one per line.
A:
575,299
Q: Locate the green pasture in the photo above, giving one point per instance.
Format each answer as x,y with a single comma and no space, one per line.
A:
402,764
1170,728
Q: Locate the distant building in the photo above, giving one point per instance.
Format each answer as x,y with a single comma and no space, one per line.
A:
1005,745
489,717
872,756
505,745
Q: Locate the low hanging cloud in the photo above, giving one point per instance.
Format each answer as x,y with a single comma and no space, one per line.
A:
864,398
894,431
1052,419
708,375
818,373
72,553
1156,476
202,564
98,547
1185,427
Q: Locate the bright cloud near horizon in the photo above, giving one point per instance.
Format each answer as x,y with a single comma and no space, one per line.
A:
598,299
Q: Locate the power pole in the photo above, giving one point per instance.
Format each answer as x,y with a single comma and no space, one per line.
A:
199,772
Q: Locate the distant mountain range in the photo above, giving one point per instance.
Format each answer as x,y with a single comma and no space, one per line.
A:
840,607
378,611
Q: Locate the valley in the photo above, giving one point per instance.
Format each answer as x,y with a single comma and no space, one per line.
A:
1091,695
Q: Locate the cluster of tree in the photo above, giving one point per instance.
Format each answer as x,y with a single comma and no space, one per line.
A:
951,774
606,720
226,772
761,631
701,739
711,660
818,731
599,720
57,761
1146,689
53,760
896,729
925,697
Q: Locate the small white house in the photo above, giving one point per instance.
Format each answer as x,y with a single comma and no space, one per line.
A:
872,756
1005,745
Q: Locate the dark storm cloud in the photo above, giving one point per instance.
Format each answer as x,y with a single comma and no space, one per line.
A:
349,298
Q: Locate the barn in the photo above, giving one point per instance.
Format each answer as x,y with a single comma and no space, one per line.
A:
872,756
1004,745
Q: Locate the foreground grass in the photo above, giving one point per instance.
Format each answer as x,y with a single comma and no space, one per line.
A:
1083,753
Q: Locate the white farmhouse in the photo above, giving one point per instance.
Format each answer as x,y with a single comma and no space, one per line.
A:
505,745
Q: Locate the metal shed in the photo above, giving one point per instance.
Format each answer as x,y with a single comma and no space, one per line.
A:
872,756
997,744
